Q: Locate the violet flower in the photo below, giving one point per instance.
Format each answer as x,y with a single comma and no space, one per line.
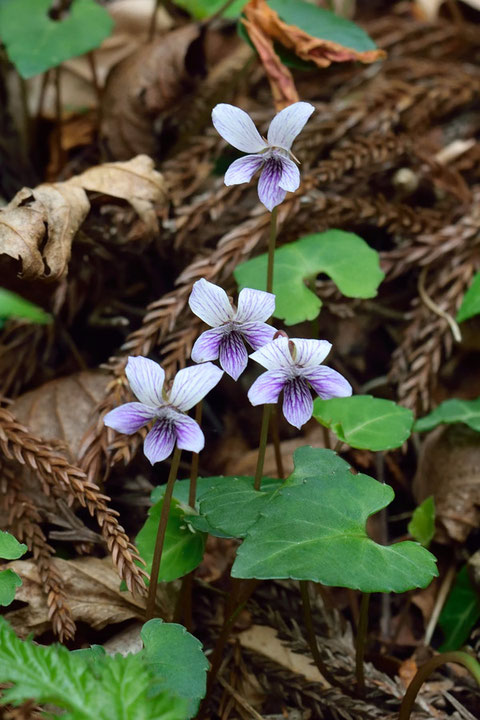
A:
231,326
172,425
279,174
294,367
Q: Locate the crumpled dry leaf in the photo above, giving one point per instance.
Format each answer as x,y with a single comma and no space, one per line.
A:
38,226
62,410
449,469
264,26
93,590
148,87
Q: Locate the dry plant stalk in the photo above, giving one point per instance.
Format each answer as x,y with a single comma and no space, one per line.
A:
24,523
60,478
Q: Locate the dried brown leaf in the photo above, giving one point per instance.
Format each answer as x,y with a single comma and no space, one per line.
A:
91,585
148,85
39,225
449,469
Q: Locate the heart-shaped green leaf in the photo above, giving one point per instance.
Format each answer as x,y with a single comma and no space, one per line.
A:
183,547
316,531
422,525
36,43
471,302
460,612
176,660
201,9
10,549
452,411
345,257
233,505
365,422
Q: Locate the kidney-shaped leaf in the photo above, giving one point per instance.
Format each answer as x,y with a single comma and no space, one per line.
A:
183,548
452,411
10,549
35,42
365,422
176,660
316,531
345,257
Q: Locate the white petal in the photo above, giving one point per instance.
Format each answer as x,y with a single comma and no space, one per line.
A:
242,170
207,346
310,353
129,418
210,303
146,379
237,128
254,306
192,384
288,123
274,355
290,179
189,434
267,387
328,383
297,402
160,441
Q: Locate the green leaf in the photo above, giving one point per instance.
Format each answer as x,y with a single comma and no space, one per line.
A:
324,24
111,688
316,531
10,548
183,548
422,525
471,302
201,9
14,306
9,581
365,422
233,505
452,411
345,257
176,660
460,612
36,43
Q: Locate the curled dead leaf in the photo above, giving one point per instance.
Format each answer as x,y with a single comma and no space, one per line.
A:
449,469
91,585
38,226
148,88
264,27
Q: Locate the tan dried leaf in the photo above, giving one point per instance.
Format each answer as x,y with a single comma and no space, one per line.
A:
93,590
449,469
63,409
135,181
38,226
148,86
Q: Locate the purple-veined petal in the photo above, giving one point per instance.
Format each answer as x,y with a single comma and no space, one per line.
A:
274,355
160,441
327,383
297,402
288,123
254,306
290,179
243,169
189,434
268,387
257,334
269,191
207,346
310,353
192,384
233,354
210,303
237,128
146,379
129,418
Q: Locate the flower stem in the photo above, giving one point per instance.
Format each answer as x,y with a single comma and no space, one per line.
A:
262,446
160,540
462,658
192,491
271,249
276,442
360,643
